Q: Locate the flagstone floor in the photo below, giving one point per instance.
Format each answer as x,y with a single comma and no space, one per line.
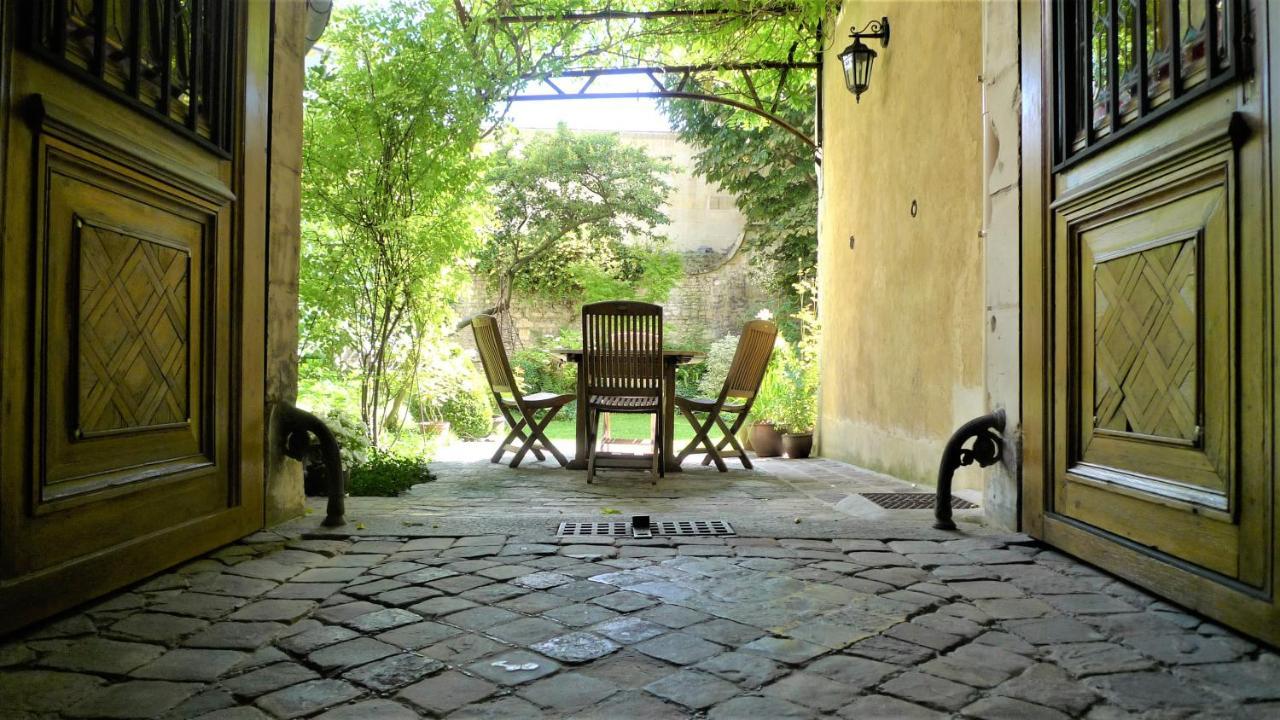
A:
846,613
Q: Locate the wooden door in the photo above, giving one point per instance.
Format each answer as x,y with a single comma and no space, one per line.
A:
133,299
1149,298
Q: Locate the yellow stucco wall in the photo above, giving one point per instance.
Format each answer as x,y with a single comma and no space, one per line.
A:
902,310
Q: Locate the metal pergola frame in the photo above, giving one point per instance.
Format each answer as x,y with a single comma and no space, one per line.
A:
673,82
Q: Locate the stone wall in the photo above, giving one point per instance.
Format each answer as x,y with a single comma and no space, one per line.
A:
1002,150
284,496
718,293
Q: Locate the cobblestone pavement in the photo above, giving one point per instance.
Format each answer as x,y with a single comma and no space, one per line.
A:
910,624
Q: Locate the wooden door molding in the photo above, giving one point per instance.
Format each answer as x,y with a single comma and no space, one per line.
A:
131,352
132,333
1203,173
1036,383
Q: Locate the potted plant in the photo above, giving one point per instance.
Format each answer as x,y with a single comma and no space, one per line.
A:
766,411
765,438
800,382
799,415
433,425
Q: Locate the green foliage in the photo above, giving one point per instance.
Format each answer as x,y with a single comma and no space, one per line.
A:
322,388
352,435
689,378
771,174
637,273
469,413
575,214
799,406
395,108
541,369
387,475
770,402
453,389
538,369
393,112
719,358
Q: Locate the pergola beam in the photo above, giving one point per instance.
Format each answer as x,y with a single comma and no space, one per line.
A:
681,69
602,15
657,73
673,95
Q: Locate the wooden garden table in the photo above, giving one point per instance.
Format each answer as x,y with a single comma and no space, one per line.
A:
670,360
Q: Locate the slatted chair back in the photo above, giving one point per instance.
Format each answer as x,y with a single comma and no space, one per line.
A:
750,360
622,349
493,355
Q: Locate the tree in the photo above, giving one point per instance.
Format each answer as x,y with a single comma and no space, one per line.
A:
772,175
393,114
575,214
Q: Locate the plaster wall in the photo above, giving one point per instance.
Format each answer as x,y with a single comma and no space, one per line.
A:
900,261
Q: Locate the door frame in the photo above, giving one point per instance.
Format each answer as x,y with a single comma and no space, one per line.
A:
1249,610
27,598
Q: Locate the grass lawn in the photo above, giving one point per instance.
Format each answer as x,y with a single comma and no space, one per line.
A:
625,427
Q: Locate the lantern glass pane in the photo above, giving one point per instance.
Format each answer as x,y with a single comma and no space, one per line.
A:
862,69
846,59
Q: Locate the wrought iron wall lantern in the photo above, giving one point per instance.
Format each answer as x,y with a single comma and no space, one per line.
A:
858,58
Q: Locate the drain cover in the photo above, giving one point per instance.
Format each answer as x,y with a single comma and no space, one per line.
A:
660,528
693,527
914,501
607,529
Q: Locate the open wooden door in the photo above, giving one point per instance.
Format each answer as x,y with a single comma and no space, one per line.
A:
1150,297
133,279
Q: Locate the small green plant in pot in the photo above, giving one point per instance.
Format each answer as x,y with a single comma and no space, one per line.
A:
767,409
800,409
799,405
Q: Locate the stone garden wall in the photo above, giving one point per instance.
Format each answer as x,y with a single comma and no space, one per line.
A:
718,293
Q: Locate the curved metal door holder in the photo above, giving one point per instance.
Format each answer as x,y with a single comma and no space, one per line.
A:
296,427
987,449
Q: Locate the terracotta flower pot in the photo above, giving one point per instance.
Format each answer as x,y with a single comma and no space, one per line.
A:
797,446
434,428
766,440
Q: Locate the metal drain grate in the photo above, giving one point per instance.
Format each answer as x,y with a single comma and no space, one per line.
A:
700,528
914,501
662,528
597,529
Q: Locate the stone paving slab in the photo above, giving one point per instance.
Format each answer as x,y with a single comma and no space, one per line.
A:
902,625
798,499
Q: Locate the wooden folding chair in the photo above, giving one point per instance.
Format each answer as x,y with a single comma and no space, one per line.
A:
520,410
746,372
622,371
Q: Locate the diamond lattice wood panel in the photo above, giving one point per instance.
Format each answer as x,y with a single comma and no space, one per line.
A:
1146,338
133,332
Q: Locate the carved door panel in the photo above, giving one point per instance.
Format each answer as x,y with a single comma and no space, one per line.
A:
1156,301
132,365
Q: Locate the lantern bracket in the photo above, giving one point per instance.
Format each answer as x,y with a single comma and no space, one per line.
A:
873,30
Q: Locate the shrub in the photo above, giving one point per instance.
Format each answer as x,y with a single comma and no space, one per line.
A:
469,413
387,475
719,358
541,369
689,379
352,435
